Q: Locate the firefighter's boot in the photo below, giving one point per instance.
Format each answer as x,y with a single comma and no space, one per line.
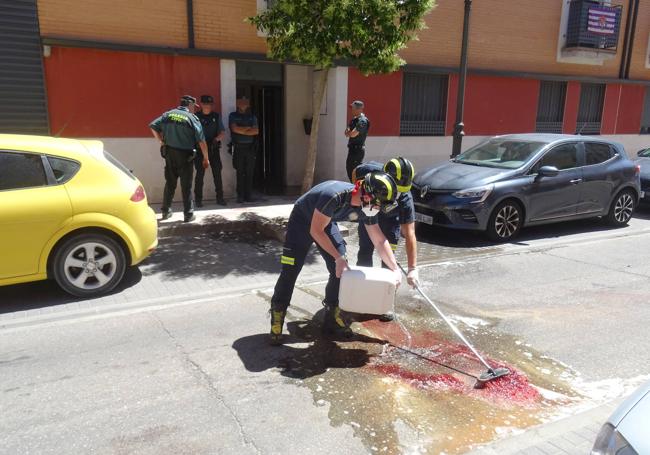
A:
277,321
334,322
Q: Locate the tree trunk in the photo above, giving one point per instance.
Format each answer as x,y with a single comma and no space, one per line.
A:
310,164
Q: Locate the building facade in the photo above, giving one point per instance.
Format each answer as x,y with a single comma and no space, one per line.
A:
99,69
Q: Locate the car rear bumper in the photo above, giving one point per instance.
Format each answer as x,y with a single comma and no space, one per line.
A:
145,228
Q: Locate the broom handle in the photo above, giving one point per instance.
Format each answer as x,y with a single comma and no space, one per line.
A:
449,323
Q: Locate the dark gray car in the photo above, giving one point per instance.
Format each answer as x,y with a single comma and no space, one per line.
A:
643,161
508,182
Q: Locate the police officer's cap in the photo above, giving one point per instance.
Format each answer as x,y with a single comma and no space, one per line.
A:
207,99
357,103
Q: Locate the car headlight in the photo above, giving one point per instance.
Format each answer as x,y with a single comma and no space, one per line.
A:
480,193
610,442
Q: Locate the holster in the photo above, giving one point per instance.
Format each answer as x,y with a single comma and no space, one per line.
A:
163,152
193,156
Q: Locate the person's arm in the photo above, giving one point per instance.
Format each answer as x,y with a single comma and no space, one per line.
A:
352,133
254,129
157,135
243,130
408,231
156,129
204,151
319,222
383,248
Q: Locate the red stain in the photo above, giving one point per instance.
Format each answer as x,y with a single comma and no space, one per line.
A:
419,380
513,388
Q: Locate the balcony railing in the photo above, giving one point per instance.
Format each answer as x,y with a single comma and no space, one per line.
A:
549,127
593,25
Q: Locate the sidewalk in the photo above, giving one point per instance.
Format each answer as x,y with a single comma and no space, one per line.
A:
572,435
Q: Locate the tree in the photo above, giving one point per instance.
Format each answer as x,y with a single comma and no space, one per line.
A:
363,33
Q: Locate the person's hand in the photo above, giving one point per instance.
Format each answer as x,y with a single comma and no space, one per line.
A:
398,277
413,277
206,163
341,265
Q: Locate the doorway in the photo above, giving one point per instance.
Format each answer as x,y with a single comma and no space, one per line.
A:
262,84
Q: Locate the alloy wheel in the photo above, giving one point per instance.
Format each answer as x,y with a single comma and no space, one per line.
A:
90,265
507,221
624,208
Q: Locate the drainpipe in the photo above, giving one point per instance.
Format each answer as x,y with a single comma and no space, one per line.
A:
460,100
190,24
628,61
626,39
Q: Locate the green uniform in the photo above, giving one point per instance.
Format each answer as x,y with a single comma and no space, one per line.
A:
180,129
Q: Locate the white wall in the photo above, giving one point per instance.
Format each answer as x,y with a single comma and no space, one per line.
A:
298,106
332,148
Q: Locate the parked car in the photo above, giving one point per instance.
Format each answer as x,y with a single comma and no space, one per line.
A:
69,211
643,161
508,182
626,430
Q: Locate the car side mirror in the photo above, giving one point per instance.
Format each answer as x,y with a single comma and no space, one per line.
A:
548,171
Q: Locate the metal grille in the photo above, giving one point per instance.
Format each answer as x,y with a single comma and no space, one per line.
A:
550,108
645,119
424,104
578,34
23,107
590,110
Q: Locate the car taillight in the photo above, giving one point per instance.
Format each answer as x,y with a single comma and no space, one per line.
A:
139,194
637,169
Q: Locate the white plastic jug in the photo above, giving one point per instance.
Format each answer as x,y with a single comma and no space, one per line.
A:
368,290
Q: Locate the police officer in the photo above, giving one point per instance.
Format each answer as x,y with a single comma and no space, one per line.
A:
243,131
399,220
356,133
178,131
214,132
314,219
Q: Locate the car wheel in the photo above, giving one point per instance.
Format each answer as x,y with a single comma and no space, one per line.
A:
622,208
89,264
505,222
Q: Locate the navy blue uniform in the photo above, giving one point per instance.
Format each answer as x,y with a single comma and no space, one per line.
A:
244,154
332,199
181,131
212,127
389,223
356,145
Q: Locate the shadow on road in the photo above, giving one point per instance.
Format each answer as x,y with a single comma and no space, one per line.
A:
216,253
300,363
471,239
42,294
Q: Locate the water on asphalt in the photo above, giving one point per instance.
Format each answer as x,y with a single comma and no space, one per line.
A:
408,386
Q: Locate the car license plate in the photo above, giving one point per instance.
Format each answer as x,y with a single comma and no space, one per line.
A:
642,196
423,218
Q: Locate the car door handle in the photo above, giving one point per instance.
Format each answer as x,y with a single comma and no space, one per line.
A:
576,181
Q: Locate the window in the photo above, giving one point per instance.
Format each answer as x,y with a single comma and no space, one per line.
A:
63,169
645,119
500,153
424,104
562,157
590,110
550,108
21,170
596,153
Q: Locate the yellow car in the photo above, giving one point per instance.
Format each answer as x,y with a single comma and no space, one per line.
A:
70,211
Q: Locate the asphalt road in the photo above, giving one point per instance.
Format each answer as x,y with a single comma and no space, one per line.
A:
566,308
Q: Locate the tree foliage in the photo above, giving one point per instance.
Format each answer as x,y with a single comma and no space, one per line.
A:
363,33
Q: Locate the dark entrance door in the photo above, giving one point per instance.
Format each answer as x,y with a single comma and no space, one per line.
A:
266,104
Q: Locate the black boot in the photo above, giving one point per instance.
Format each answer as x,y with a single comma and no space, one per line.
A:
334,323
277,321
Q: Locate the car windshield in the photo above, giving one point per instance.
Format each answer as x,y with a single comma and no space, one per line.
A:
501,153
644,153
